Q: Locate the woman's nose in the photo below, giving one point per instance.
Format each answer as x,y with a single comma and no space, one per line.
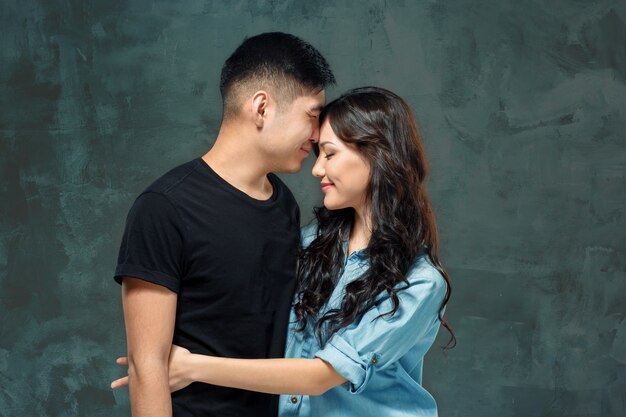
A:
318,168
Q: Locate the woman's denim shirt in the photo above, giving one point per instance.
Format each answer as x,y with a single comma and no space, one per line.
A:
382,358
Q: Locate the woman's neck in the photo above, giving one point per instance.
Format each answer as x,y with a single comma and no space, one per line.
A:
361,230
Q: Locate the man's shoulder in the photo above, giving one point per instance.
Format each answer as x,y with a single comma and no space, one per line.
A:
172,179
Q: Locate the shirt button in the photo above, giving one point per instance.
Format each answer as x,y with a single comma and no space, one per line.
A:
374,361
294,400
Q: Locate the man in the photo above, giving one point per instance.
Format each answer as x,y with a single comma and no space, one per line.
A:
208,256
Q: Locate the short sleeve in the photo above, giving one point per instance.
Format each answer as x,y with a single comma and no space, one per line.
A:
152,244
370,345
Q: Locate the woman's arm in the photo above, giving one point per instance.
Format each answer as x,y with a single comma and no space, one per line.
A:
272,376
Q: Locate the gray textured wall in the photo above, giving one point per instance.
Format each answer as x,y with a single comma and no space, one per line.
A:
521,105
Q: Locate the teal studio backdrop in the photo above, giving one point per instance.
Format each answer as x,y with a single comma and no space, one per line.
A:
522,108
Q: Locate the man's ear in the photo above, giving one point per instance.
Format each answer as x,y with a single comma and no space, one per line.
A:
260,107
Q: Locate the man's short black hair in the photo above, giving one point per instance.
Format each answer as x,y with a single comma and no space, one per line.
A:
282,63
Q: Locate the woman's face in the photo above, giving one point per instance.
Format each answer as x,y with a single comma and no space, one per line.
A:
343,171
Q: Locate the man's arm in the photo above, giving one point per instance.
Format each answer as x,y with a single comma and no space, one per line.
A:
149,316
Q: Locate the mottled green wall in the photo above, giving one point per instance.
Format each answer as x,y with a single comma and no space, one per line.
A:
522,106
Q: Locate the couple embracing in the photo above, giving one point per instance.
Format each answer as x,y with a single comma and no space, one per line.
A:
229,302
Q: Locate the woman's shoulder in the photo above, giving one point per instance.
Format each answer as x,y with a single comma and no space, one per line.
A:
308,233
423,272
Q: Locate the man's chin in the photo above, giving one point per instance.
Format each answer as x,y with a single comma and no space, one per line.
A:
292,168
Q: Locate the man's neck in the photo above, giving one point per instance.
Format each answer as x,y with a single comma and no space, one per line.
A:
234,159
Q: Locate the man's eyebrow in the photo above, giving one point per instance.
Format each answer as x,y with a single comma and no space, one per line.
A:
316,108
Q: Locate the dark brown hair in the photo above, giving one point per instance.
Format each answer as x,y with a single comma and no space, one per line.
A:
382,127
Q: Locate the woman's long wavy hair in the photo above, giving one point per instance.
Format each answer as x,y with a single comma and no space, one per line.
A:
382,128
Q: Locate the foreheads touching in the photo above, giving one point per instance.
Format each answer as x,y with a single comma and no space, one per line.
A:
282,64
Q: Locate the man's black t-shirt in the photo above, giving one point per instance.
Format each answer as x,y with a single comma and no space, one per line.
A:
232,261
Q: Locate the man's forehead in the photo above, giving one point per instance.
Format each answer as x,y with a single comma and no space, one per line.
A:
313,102
317,107
317,100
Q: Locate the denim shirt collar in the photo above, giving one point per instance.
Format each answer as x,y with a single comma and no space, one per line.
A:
360,254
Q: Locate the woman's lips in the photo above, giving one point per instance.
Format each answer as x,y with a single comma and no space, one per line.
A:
326,186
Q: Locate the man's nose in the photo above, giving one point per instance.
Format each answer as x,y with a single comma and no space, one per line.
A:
315,135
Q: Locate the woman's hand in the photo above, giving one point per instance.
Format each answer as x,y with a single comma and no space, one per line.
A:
180,367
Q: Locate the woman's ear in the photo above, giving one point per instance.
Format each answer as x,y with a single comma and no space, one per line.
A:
260,108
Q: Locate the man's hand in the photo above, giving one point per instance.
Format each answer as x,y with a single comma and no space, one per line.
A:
121,382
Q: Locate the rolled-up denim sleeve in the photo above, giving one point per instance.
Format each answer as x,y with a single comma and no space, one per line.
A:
371,344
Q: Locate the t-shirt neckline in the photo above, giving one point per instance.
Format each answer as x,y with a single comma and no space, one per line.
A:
206,168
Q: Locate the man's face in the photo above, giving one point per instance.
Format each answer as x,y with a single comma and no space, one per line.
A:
292,131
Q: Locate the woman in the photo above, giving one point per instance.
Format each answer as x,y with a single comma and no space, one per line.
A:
371,291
